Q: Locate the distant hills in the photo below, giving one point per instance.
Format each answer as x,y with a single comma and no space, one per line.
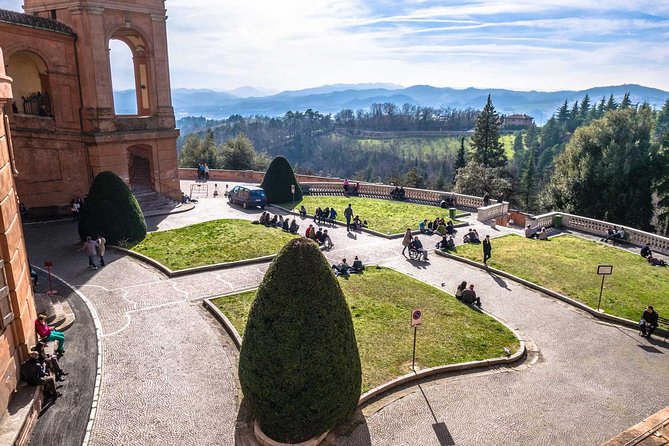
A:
333,98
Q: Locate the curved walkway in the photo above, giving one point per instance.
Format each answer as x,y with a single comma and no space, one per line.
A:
169,371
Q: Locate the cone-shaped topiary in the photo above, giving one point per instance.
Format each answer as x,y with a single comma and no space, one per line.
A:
277,182
112,210
299,365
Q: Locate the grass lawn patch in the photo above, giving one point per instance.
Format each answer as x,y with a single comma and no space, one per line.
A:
381,301
217,241
568,265
385,216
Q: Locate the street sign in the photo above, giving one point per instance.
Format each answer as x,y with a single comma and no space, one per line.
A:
48,264
416,317
605,270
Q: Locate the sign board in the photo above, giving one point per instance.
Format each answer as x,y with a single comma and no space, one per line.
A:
605,270
48,264
292,188
416,317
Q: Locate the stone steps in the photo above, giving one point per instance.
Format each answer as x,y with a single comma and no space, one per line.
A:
150,200
57,309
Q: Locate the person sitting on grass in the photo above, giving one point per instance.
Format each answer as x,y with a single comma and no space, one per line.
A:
326,240
418,246
286,225
451,243
333,215
342,268
309,230
279,223
543,234
450,229
461,288
441,229
646,252
654,261
273,221
48,334
443,243
357,266
34,373
263,218
469,296
531,232
472,237
319,236
648,321
303,212
294,227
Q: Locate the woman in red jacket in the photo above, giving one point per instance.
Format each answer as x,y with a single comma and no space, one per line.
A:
47,333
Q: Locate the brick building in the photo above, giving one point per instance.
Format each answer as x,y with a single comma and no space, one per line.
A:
517,121
65,130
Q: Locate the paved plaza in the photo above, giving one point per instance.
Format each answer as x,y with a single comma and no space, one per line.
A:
169,372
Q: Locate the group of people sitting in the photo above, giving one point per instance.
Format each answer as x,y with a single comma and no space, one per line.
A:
614,234
327,215
43,368
277,221
536,232
344,269
351,190
447,243
648,255
472,237
320,236
467,295
398,193
439,226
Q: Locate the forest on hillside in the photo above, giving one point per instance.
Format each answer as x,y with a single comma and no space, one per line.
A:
603,159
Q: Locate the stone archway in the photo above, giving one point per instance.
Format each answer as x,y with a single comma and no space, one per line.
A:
139,167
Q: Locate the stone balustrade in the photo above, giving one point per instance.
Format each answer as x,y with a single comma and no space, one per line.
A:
492,211
598,227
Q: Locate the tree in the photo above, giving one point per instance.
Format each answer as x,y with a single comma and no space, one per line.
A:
518,143
414,179
488,149
662,122
299,366
611,104
112,210
477,179
527,182
238,153
277,181
627,102
606,170
661,186
196,150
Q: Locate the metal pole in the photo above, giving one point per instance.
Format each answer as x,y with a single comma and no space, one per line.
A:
413,359
601,290
51,291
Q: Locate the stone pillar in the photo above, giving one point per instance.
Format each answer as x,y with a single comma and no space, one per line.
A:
17,305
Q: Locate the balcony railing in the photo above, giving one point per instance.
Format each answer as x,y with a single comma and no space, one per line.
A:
35,104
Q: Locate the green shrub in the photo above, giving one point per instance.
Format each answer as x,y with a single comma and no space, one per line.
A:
277,181
299,365
111,209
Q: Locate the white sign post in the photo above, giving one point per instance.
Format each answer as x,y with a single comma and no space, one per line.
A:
416,320
292,191
603,270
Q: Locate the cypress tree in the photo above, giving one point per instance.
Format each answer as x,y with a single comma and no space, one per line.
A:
527,182
460,159
277,181
488,149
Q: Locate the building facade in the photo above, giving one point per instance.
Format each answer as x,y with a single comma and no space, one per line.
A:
17,306
64,126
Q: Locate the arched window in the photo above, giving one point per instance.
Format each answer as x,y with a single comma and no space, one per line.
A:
129,60
30,84
123,78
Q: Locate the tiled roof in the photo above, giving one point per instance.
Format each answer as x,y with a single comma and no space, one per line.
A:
33,21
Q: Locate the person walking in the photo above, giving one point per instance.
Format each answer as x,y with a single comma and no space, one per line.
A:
487,249
90,248
406,241
348,213
101,248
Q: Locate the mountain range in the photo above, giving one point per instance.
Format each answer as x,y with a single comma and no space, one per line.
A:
247,101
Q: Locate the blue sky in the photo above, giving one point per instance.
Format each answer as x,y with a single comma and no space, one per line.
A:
529,45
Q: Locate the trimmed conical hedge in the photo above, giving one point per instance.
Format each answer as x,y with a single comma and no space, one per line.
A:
112,210
299,365
277,181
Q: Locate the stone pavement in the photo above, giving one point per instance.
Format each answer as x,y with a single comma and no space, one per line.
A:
169,371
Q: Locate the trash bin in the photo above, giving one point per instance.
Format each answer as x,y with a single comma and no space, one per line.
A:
557,221
451,213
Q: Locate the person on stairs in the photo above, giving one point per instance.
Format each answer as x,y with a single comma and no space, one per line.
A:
47,333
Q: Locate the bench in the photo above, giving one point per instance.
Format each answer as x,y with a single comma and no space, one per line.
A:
663,321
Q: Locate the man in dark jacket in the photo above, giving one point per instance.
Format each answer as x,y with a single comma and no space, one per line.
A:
32,372
469,296
648,321
487,249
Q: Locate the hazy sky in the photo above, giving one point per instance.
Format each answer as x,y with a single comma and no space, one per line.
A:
526,44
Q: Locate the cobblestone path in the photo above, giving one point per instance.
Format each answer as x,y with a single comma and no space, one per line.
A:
169,372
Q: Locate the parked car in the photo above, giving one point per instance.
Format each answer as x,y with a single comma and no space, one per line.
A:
248,196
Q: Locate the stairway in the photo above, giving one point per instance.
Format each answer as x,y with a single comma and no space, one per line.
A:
151,201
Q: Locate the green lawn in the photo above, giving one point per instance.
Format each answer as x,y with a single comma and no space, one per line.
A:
385,216
212,242
381,301
568,265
